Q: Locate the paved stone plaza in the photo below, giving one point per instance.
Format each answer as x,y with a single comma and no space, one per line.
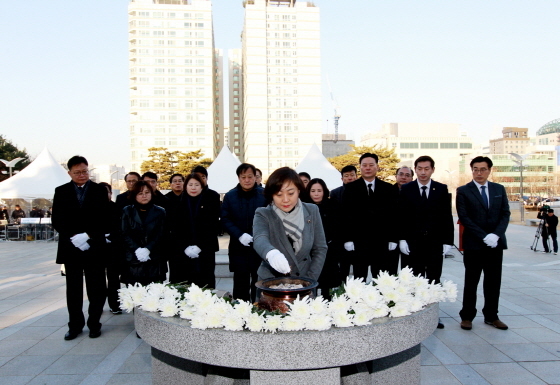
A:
33,322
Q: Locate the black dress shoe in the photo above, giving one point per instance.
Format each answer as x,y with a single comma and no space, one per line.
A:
70,335
95,333
440,325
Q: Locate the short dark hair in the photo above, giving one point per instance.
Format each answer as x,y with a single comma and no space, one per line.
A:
201,169
244,167
480,159
174,175
326,192
106,185
348,168
194,176
551,211
75,160
149,174
425,158
369,155
277,179
260,172
303,173
132,173
138,187
399,169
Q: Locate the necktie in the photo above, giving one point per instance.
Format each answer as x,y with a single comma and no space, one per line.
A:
369,190
483,194
424,196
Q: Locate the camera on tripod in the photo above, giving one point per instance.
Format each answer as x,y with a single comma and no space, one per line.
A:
544,208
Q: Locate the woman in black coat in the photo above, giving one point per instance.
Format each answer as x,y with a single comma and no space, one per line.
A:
318,193
194,233
143,230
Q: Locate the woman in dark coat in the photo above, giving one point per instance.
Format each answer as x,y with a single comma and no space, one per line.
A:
143,229
194,233
238,211
318,193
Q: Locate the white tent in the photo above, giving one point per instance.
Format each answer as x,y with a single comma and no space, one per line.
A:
221,173
38,180
316,165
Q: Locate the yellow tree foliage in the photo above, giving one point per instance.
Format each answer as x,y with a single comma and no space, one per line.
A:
388,160
166,163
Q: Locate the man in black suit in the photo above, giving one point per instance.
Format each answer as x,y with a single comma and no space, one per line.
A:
122,199
426,223
369,219
483,210
159,199
80,212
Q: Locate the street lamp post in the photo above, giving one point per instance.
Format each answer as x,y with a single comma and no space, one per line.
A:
11,164
519,159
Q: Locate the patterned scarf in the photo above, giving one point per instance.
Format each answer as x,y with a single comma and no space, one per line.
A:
293,224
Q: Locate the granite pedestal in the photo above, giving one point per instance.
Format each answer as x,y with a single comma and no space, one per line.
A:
386,352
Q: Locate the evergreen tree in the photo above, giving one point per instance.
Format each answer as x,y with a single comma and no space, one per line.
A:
9,151
388,160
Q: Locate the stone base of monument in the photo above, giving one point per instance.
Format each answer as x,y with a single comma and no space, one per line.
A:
386,352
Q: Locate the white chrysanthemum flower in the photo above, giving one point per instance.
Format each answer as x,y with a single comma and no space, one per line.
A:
318,322
273,323
385,281
168,307
243,308
362,318
126,304
150,303
371,296
340,304
403,289
205,303
406,275
156,289
214,318
342,319
290,323
354,288
254,322
423,294
400,310
381,311
199,321
392,295
187,312
137,292
171,292
233,322
419,282
195,295
299,308
450,290
415,305
318,305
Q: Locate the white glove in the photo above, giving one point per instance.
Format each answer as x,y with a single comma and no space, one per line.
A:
107,238
403,246
245,239
278,261
349,246
491,240
192,251
392,246
446,249
79,239
84,247
142,254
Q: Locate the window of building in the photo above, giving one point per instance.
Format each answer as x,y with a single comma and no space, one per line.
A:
448,145
430,145
465,145
159,141
409,145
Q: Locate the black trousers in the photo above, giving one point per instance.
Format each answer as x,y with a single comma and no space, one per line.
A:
393,261
330,275
244,285
375,258
489,261
554,237
426,258
113,286
199,271
96,290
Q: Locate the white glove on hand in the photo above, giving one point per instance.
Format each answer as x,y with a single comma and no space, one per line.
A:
84,247
142,254
491,240
107,239
79,239
349,246
278,261
392,246
446,249
403,246
245,239
192,251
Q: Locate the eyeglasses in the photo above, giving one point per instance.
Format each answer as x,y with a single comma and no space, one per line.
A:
479,170
407,175
85,172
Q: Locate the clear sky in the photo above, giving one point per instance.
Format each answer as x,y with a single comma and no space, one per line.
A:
482,64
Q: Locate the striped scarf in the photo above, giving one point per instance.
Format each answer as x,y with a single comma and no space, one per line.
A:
293,224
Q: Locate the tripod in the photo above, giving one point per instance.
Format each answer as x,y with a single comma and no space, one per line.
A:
538,233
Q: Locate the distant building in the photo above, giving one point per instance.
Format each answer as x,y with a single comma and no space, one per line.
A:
235,68
109,173
549,135
444,142
332,149
514,139
175,78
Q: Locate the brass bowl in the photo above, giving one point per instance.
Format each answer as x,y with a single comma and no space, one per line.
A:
275,299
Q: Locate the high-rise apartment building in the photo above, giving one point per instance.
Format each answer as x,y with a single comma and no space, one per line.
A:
281,83
514,139
235,101
175,78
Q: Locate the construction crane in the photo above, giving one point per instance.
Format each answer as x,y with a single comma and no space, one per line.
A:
336,113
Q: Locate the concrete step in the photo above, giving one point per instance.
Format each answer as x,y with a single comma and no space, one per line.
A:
222,265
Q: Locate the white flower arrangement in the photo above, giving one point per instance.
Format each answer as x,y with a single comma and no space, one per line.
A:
355,303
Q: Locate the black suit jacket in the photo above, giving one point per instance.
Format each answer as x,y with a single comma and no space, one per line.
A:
432,218
369,222
122,201
70,219
479,220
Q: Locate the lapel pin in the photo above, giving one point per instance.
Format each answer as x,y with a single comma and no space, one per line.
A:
309,221
433,189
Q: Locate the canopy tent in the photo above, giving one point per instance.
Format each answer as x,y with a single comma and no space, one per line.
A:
316,165
38,180
221,173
